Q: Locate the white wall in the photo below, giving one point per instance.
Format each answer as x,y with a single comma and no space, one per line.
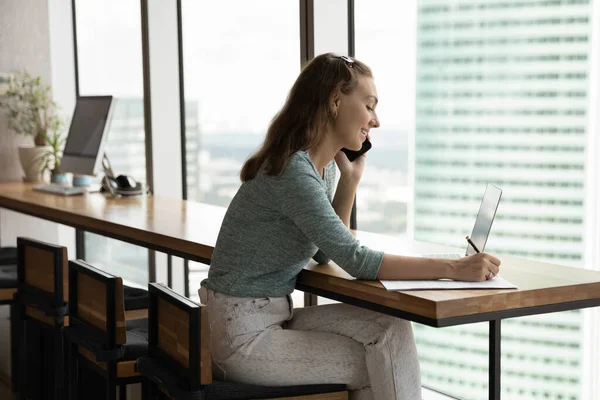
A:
25,44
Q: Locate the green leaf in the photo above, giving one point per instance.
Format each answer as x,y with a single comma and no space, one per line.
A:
30,107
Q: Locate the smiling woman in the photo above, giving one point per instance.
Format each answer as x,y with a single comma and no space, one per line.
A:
333,110
285,213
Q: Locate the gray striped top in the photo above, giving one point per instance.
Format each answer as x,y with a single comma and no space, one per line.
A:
275,224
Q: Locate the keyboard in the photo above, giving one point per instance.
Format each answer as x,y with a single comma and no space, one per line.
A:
454,256
60,189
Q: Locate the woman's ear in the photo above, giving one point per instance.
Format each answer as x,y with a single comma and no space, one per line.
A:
335,104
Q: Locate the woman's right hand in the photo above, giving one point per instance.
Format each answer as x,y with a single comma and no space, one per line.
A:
475,268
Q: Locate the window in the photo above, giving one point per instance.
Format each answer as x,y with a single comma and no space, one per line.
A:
385,41
240,60
109,49
499,96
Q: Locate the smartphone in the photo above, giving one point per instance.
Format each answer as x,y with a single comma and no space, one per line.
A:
353,155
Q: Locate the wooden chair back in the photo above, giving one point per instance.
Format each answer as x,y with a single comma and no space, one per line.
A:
174,336
42,270
96,303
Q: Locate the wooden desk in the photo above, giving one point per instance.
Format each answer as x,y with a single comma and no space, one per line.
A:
542,287
189,230
181,228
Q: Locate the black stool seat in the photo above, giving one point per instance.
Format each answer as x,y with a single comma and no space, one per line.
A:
8,255
135,298
8,276
221,390
137,339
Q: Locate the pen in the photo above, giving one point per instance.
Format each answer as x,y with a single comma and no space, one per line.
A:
472,244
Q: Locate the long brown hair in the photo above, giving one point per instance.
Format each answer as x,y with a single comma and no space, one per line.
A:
306,113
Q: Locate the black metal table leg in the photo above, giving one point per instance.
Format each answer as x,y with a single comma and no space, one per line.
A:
494,365
15,336
169,271
310,299
186,278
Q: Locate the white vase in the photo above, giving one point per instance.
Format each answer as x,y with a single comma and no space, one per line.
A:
32,161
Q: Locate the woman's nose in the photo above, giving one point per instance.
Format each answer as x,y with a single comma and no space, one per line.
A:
375,122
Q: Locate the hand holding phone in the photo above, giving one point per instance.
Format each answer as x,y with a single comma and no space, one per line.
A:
353,155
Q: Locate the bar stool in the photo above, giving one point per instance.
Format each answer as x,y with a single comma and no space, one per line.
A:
42,307
8,288
178,364
41,316
100,339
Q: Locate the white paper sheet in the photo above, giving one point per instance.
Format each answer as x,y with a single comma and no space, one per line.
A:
496,283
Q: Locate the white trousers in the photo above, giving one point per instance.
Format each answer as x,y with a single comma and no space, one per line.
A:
265,341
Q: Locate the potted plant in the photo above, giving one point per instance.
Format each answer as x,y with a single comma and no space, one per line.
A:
51,157
32,112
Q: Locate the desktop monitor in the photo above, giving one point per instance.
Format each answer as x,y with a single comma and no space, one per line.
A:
87,135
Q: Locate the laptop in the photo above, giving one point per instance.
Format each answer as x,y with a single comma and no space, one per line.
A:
483,223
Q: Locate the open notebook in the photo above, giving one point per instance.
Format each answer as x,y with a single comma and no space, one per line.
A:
495,283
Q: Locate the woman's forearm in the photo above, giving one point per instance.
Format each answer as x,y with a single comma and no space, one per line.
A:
404,267
344,198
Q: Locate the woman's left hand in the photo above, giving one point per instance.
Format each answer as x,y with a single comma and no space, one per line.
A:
350,170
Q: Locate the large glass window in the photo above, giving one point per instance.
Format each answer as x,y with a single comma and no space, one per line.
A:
499,95
385,41
109,49
240,60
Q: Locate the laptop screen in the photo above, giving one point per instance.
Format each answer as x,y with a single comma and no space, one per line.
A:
485,217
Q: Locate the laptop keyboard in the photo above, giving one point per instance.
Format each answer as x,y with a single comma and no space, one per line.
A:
61,189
